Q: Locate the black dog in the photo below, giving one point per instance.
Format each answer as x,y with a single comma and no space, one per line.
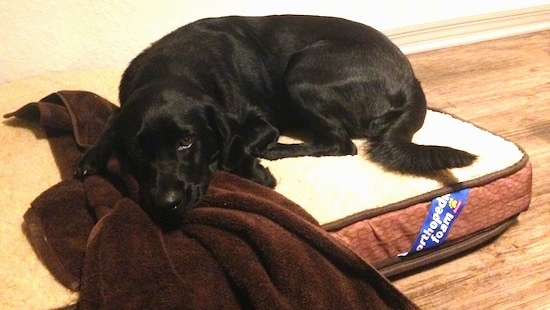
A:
216,94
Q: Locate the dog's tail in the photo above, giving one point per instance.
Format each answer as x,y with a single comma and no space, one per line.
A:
390,145
407,157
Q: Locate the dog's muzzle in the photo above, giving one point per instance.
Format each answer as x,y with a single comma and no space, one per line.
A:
169,207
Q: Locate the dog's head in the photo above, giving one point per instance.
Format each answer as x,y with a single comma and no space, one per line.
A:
172,141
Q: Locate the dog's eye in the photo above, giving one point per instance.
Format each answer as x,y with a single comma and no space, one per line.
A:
185,143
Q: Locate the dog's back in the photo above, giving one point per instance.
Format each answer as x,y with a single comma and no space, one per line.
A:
251,49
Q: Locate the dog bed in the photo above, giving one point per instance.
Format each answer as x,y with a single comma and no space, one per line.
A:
377,213
386,217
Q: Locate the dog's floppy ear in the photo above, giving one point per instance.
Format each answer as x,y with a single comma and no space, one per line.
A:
231,146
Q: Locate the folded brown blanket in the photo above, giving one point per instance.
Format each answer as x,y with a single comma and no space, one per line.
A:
245,246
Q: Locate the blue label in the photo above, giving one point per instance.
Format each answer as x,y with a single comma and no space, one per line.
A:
443,212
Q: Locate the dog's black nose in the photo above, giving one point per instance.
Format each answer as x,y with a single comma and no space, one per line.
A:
169,200
168,208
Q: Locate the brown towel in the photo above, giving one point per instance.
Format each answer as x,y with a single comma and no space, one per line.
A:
245,246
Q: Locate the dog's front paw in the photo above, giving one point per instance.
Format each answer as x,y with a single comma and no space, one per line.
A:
84,169
91,163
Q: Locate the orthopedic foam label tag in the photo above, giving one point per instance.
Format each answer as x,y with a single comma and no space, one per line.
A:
444,211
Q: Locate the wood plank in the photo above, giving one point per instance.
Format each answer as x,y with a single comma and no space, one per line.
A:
503,86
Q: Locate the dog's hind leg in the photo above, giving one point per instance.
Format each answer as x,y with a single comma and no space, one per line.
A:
316,91
323,139
259,138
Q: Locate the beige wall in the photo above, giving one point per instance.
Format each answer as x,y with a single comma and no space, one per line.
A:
40,36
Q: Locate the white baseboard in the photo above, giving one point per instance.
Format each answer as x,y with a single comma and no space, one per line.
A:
471,29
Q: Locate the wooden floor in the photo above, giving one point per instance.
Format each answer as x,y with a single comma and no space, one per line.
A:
504,87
